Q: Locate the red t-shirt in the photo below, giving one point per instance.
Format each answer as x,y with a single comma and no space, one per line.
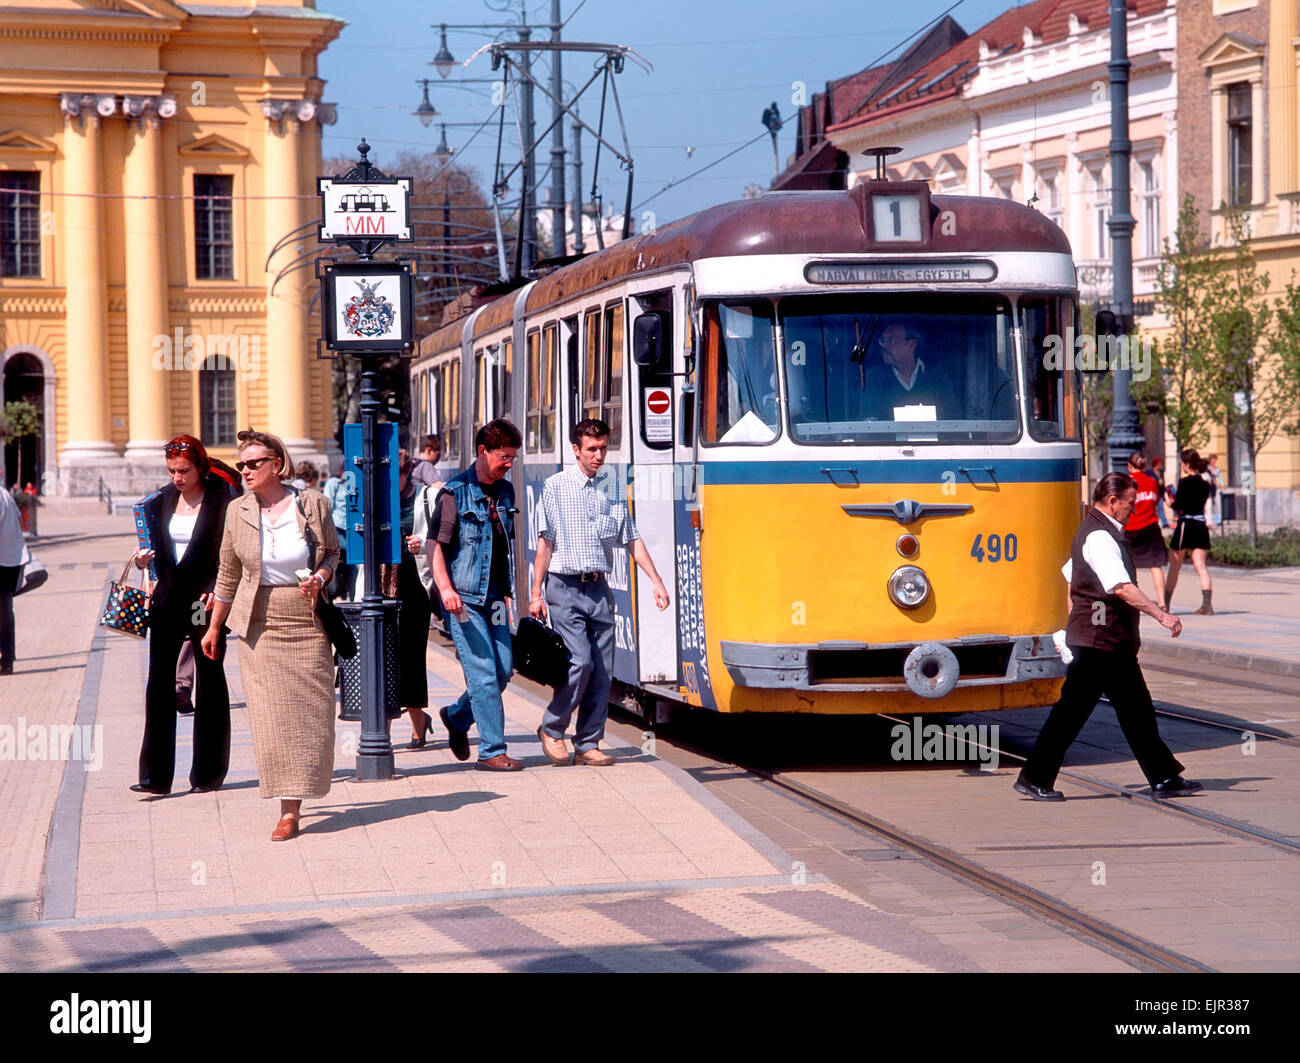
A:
1144,513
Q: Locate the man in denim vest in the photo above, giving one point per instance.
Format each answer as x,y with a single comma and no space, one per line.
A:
474,571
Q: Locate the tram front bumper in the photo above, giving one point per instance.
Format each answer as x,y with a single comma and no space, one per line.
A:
982,660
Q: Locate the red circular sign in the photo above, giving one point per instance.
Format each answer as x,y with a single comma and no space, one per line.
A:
657,401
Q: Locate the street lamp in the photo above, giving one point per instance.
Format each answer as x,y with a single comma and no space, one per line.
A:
442,153
443,61
426,112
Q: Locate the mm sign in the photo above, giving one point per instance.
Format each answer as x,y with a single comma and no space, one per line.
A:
371,210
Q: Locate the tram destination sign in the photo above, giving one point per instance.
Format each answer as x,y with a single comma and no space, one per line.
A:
378,209
930,272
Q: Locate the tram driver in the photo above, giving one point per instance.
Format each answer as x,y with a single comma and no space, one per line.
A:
905,378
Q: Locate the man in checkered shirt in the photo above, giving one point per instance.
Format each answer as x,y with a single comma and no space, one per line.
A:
579,526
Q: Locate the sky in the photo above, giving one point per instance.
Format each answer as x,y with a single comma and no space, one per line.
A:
717,64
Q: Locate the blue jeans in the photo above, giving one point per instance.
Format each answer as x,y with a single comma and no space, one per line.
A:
487,660
583,614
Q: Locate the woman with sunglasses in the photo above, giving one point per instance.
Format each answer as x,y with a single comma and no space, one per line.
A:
186,519
278,552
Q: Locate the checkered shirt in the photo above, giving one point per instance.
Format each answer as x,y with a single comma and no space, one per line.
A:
580,519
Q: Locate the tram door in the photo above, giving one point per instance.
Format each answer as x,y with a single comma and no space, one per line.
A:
650,428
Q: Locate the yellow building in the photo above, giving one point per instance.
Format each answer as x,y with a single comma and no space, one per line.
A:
157,177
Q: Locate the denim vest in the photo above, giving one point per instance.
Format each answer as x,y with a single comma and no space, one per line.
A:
469,558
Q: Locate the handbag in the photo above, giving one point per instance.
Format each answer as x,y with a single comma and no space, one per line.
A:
331,617
540,653
34,573
126,608
336,627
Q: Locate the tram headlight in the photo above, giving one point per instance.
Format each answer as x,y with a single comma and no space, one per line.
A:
909,587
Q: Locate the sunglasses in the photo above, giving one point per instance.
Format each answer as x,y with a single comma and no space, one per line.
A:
178,447
253,464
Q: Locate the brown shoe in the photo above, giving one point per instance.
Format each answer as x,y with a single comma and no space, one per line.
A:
284,830
500,762
556,749
593,758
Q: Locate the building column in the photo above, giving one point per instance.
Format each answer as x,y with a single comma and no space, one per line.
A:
87,451
288,396
148,385
1284,165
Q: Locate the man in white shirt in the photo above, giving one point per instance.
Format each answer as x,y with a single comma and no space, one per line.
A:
1102,634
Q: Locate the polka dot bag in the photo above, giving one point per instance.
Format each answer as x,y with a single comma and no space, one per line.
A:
126,608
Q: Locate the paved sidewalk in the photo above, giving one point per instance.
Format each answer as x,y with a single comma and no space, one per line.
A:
636,867
1256,621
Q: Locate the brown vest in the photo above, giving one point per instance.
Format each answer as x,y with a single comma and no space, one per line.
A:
1112,625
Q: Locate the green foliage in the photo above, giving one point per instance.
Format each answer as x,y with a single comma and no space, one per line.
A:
19,419
1281,549
1186,279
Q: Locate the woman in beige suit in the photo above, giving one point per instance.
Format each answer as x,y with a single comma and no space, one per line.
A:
274,535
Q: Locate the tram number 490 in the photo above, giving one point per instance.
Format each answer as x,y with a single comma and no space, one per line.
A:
996,548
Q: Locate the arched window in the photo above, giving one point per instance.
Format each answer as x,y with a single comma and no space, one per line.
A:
217,404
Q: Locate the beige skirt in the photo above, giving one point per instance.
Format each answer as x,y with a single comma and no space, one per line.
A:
288,672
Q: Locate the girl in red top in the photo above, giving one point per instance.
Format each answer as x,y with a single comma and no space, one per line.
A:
1145,542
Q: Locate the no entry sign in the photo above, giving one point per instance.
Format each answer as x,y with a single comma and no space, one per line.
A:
658,415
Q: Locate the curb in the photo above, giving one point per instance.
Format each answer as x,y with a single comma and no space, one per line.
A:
1209,655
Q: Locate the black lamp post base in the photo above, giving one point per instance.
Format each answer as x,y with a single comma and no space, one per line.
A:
375,769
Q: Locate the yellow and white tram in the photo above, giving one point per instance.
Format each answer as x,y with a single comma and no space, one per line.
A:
832,545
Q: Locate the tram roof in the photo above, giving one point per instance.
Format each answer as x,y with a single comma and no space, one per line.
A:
805,223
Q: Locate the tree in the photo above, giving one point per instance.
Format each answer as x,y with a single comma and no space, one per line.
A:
1185,279
19,419
1235,377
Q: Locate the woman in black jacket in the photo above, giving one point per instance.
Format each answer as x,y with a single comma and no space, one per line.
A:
186,519
1191,533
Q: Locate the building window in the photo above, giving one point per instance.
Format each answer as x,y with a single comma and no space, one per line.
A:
1100,213
217,406
1239,134
20,224
214,248
1050,200
1150,210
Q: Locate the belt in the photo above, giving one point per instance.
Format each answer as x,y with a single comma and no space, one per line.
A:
1200,517
585,577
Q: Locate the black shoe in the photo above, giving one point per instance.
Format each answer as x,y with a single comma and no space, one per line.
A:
202,789
1175,787
145,788
423,740
1038,793
183,704
6,667
456,738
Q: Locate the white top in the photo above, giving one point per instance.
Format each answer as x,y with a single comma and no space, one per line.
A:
1101,552
284,550
917,370
181,530
13,548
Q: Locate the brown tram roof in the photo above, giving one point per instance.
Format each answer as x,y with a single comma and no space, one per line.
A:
807,223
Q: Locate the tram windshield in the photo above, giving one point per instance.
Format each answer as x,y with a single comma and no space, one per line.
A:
899,368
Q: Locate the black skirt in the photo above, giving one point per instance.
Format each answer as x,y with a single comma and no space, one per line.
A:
1190,535
1147,547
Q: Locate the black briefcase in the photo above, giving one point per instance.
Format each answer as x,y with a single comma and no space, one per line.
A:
540,653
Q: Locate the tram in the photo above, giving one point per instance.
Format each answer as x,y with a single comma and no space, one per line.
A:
834,542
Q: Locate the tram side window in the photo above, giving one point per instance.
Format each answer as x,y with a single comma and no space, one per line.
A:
449,403
539,420
480,391
505,368
1052,384
591,374
740,404
612,406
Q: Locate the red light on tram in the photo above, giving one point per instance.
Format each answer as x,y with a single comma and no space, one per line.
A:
908,545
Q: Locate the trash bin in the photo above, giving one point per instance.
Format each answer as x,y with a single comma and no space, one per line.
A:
350,667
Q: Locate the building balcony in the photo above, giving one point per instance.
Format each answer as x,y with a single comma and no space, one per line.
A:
1097,281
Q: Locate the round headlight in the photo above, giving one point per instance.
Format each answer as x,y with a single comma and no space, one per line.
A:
909,587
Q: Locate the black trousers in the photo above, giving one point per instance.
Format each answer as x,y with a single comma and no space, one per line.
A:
211,756
1091,674
412,637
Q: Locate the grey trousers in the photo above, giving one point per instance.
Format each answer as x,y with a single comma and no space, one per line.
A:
583,614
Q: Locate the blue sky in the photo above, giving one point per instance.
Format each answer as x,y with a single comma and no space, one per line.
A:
717,65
